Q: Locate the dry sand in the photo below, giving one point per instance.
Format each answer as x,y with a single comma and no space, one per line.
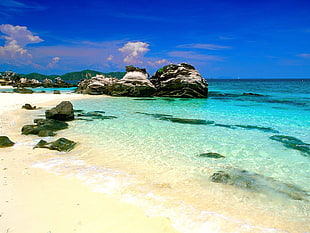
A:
35,201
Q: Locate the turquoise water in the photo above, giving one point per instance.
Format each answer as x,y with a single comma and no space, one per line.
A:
147,153
42,89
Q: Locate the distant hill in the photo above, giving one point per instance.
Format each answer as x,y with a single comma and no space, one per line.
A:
73,75
38,76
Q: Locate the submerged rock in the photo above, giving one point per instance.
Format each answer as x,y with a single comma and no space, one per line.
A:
62,112
258,183
181,80
265,129
5,142
293,143
213,155
186,121
95,115
61,144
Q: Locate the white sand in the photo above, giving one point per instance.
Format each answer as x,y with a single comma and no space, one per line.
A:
34,201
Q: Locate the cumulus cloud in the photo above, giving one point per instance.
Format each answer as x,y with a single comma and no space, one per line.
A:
54,61
16,38
134,51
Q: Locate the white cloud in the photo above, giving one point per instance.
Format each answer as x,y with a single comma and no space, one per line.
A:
54,61
159,62
110,58
134,51
205,46
16,38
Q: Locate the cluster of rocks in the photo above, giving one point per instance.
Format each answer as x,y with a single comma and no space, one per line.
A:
181,80
10,78
55,119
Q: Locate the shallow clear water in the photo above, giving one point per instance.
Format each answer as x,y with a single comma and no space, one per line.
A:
146,156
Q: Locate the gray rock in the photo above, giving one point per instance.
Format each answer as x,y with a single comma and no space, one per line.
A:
181,80
61,144
258,183
62,112
5,142
135,83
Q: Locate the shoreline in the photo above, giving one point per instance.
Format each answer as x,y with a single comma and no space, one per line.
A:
33,200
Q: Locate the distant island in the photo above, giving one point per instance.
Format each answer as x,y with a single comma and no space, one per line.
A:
72,76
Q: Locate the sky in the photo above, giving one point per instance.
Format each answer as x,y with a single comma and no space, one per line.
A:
220,38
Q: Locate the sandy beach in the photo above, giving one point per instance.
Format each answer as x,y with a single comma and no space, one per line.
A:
35,201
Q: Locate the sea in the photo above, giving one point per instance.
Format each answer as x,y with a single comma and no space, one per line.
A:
237,161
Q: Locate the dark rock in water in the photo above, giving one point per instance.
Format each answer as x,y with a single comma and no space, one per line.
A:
62,112
29,107
251,94
186,121
211,155
293,143
5,142
145,99
225,126
167,117
181,81
249,127
23,91
78,110
61,144
265,129
45,125
95,115
56,92
258,183
155,115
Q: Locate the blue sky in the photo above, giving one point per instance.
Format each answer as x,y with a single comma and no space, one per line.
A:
221,38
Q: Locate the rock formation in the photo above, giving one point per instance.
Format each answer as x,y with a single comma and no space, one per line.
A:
181,80
134,83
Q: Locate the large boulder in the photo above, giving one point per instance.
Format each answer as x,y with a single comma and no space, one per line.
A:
135,83
181,80
62,112
97,85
